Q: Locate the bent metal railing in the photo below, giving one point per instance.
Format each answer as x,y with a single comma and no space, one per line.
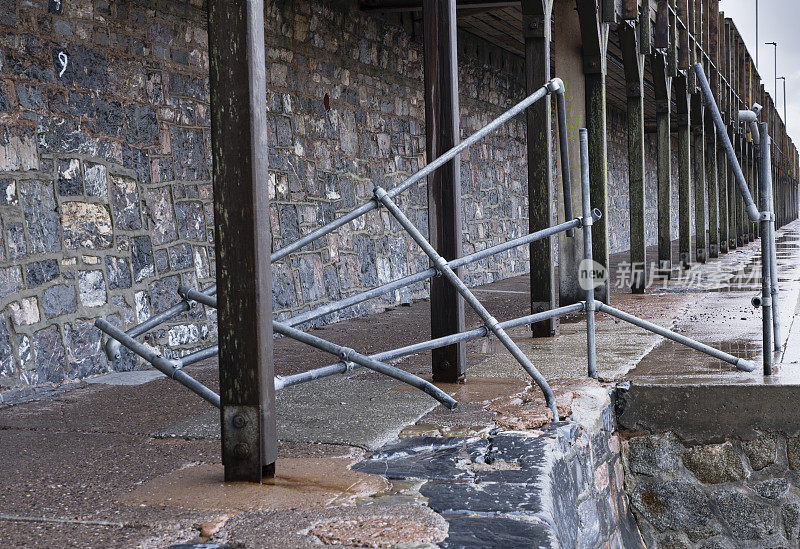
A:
349,358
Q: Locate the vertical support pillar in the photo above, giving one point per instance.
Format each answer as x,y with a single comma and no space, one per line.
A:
713,194
594,38
722,185
444,187
237,76
663,88
741,212
733,209
699,178
634,74
542,202
684,173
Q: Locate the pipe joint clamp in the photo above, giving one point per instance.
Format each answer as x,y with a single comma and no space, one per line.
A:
492,324
587,221
554,85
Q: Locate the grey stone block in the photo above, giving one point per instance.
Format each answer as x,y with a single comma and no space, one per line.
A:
59,300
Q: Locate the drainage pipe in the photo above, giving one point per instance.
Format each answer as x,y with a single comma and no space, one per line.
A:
740,363
722,134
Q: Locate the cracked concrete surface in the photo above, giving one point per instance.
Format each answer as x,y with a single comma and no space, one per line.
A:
93,458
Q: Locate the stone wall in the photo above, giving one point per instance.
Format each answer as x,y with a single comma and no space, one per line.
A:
105,194
105,197
560,486
739,493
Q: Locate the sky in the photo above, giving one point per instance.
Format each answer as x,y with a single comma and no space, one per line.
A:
779,21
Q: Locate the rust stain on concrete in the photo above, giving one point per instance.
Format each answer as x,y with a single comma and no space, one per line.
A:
305,483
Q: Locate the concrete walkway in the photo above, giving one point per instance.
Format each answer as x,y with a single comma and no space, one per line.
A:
133,459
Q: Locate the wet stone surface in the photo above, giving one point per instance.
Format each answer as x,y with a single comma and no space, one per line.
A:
554,487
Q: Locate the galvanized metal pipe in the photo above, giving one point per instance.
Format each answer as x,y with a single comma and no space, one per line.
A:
193,295
722,134
764,164
563,146
418,176
112,346
355,299
169,367
349,355
197,356
740,363
769,239
588,267
441,264
416,348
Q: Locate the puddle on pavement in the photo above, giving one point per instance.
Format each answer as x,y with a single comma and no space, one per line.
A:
400,492
303,483
673,362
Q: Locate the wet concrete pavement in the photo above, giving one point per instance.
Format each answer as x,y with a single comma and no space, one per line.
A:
133,460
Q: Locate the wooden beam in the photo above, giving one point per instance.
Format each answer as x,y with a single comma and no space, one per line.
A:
444,185
661,36
542,200
237,77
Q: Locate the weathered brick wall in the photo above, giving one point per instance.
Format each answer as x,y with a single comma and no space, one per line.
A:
105,194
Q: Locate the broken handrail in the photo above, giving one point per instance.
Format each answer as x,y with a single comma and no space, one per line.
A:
343,367
556,85
740,363
171,368
491,323
366,295
722,134
349,355
112,345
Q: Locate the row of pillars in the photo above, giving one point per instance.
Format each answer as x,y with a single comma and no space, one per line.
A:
241,206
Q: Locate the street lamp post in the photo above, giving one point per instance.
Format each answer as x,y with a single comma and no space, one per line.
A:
775,45
785,121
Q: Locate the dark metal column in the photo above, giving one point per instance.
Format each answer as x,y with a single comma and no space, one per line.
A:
699,178
542,201
663,89
237,74
713,194
594,35
684,172
444,186
722,186
634,75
